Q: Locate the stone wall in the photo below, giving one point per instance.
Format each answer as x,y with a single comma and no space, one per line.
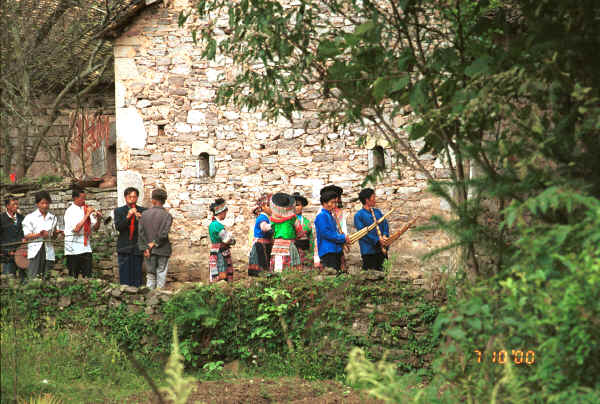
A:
66,293
103,241
172,134
55,151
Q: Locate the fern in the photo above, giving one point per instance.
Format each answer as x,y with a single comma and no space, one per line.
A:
179,387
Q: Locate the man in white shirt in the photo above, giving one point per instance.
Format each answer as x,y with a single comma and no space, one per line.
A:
80,220
38,227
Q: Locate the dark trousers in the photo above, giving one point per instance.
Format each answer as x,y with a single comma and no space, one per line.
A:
9,268
332,260
39,266
130,269
373,261
80,264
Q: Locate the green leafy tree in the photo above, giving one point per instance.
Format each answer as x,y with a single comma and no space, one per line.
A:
491,84
508,94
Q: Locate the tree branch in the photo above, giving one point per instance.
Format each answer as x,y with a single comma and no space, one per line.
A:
51,21
408,147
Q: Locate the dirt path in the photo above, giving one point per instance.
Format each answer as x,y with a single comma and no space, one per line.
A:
259,391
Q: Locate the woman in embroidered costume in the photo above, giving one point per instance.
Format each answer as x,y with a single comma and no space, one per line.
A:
284,254
219,263
305,241
260,255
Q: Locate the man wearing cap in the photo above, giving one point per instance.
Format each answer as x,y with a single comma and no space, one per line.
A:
284,254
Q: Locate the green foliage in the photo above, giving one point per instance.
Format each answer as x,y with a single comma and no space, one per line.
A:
291,325
213,367
546,302
179,387
381,381
36,303
508,91
70,365
42,180
43,399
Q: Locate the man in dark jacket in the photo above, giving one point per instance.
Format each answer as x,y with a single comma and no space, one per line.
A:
155,225
129,255
11,231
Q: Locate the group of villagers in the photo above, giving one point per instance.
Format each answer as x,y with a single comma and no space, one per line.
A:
285,239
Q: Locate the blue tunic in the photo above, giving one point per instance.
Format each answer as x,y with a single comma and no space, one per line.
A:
362,219
258,233
329,240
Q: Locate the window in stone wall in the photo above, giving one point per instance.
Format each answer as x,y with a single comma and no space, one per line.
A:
377,160
381,159
205,165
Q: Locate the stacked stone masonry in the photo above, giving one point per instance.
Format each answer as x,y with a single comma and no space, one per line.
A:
103,241
168,121
150,302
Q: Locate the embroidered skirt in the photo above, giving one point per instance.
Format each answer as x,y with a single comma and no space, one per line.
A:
285,256
220,264
260,256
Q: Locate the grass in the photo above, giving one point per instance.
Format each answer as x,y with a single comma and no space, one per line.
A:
76,366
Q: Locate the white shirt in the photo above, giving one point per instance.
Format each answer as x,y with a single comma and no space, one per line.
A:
35,223
74,241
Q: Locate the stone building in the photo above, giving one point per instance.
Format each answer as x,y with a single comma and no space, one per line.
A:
172,134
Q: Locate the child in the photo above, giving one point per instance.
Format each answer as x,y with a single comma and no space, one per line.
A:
220,265
153,240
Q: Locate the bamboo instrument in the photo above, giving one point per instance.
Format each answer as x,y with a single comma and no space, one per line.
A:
400,232
365,230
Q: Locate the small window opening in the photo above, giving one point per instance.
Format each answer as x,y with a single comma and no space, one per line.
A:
205,165
378,158
161,130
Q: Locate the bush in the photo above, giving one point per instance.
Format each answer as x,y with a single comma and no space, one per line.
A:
293,325
546,302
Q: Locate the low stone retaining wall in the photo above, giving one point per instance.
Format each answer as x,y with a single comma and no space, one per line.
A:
393,327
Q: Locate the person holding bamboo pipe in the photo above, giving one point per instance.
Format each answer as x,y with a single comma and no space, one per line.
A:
372,246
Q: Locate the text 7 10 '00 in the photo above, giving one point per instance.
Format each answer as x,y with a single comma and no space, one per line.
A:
518,357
